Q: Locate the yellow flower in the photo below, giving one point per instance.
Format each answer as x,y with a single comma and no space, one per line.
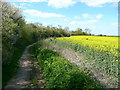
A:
109,44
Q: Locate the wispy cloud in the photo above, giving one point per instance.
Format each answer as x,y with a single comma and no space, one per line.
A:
21,5
36,13
89,16
116,24
76,17
84,22
60,4
86,15
99,16
28,20
98,3
67,3
27,0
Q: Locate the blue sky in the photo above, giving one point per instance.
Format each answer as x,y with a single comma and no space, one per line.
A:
100,16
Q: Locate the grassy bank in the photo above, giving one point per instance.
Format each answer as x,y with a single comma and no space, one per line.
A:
104,60
59,72
101,60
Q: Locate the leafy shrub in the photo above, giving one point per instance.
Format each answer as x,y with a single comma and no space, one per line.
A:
60,73
46,53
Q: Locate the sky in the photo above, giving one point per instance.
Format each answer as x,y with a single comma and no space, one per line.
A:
100,16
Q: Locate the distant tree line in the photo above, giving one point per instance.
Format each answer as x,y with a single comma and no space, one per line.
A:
101,35
37,31
80,31
15,30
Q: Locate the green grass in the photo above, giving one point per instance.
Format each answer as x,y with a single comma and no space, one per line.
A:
102,60
60,73
8,71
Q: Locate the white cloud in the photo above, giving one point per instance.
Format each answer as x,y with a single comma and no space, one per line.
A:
45,23
83,22
22,4
53,3
37,13
76,17
115,4
28,20
91,21
27,0
67,3
99,16
97,3
65,19
115,24
60,3
86,15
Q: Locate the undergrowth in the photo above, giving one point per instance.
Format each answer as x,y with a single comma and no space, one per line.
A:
60,73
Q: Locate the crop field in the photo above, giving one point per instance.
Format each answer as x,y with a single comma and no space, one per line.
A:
101,51
109,44
83,53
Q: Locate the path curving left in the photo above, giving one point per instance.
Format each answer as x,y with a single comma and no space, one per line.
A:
21,79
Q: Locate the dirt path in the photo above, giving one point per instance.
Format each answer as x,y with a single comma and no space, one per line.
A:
22,78
80,61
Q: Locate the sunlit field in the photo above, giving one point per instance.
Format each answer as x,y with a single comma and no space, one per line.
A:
59,45
109,44
101,51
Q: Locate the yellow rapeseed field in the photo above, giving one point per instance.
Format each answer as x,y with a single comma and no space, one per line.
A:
102,52
95,42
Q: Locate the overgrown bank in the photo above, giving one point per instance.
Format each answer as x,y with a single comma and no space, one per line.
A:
58,72
100,62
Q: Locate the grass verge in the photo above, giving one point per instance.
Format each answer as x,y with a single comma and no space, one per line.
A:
60,73
99,60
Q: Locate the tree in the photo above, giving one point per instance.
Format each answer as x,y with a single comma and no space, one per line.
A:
11,28
59,26
79,29
66,28
87,30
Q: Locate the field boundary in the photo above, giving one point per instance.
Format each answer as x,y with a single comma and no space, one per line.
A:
80,61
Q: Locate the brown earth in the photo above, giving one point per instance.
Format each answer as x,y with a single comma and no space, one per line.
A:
25,73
